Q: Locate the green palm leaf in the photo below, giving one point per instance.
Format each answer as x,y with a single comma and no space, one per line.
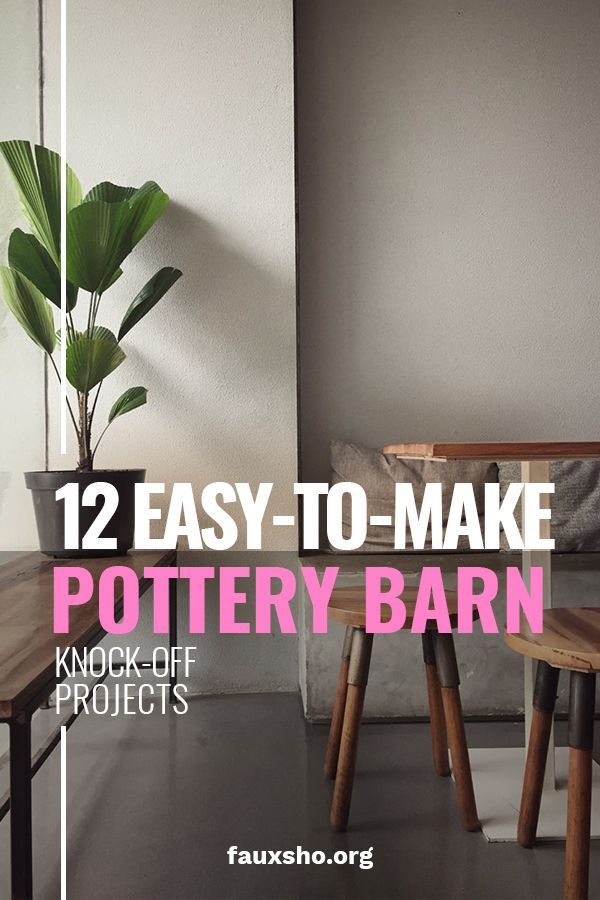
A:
94,232
30,258
100,234
129,399
148,297
48,165
147,205
111,193
98,331
103,334
90,360
37,179
29,307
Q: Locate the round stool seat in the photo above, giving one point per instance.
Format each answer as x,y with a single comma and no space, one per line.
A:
347,605
570,639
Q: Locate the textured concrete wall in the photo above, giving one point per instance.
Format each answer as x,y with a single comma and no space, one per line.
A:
21,369
449,226
491,673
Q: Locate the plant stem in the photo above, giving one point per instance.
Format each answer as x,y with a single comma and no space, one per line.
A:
85,458
98,441
90,310
94,410
96,307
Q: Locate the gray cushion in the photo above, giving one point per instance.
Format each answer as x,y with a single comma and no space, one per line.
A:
575,522
378,474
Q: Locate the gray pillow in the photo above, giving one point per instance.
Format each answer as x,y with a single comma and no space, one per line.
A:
378,474
575,522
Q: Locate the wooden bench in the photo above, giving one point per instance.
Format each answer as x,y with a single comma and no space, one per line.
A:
28,672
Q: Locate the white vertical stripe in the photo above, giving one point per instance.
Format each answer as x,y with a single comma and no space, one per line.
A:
63,812
63,225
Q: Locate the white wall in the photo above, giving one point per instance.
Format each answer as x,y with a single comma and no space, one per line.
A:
449,221
197,95
21,363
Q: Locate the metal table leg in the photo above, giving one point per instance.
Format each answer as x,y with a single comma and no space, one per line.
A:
21,847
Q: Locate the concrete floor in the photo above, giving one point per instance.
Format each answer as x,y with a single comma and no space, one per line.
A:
154,802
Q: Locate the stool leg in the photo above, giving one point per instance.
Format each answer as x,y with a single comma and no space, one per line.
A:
358,674
439,738
337,716
449,680
579,802
544,700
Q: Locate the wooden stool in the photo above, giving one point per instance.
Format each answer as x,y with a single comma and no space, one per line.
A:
570,640
347,605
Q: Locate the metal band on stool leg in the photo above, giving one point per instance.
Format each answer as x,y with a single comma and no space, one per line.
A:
445,658
428,648
581,710
360,658
347,645
546,685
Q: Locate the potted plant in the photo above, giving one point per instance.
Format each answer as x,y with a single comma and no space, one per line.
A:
103,227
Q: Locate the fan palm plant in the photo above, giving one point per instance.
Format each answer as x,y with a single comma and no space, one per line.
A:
103,227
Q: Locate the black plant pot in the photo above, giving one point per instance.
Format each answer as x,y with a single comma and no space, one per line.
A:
50,512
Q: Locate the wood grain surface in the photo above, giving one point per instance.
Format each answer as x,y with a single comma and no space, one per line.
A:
347,605
27,639
570,639
519,452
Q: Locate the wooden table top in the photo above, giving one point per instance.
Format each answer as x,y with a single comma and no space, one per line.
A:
501,451
27,639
